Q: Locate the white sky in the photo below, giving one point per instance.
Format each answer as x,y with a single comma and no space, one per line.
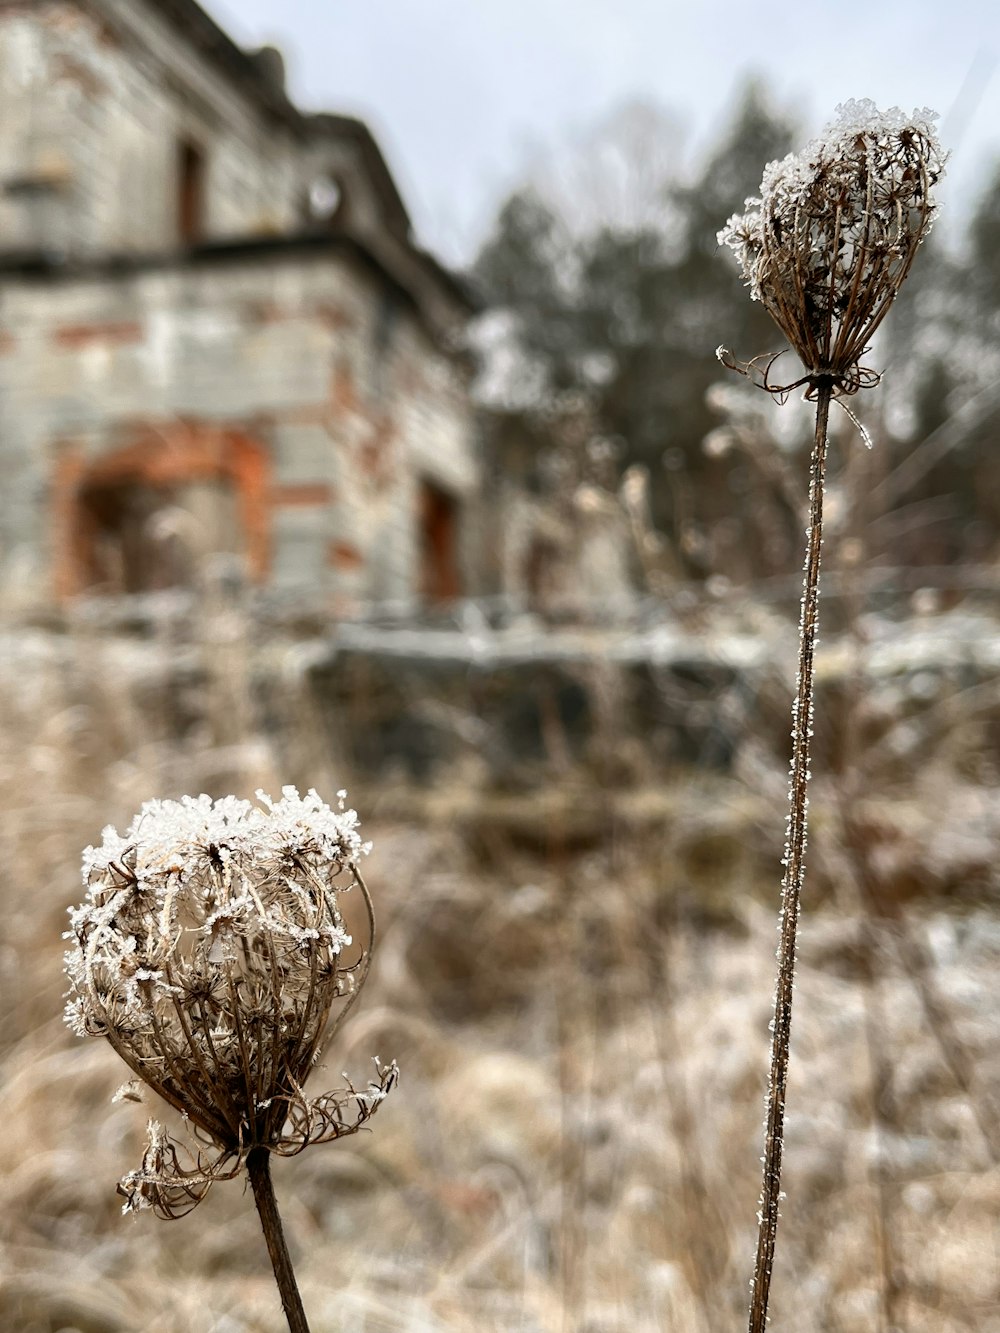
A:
462,94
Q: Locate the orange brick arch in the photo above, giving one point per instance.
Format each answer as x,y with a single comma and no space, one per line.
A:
161,456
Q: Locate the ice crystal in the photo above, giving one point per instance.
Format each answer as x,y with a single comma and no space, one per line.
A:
210,952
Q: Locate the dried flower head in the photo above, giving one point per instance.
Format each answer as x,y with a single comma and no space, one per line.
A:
210,952
829,241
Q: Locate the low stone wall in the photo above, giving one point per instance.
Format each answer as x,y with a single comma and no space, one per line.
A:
512,708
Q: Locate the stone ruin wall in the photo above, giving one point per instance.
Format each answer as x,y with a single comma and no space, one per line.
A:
288,384
296,399
94,100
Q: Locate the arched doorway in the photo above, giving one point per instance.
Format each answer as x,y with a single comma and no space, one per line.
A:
143,517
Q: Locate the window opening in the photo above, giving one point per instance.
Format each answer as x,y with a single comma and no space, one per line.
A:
324,198
439,572
191,193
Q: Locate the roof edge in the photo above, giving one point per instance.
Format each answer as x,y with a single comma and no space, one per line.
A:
51,267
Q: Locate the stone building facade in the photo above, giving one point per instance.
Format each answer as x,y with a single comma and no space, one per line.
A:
217,334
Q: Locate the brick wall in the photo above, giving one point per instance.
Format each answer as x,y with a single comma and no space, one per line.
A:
180,356
98,100
299,386
95,104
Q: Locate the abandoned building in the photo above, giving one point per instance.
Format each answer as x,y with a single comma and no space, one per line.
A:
558,537
217,333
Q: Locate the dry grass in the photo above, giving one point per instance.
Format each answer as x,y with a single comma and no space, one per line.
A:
581,1028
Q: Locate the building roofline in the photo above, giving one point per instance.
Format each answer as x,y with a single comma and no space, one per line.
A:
329,123
342,126
198,27
50,267
458,285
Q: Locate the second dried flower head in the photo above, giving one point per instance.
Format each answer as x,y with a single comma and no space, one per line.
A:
211,952
829,241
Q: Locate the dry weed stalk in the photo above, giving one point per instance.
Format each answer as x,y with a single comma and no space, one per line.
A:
825,248
210,952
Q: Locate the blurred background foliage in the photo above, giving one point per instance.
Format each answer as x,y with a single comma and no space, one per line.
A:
621,308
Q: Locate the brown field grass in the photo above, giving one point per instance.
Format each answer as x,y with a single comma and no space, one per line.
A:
581,1025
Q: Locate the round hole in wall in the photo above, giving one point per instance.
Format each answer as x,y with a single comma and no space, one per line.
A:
325,197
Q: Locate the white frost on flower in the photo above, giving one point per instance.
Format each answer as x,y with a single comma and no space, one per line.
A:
99,858
306,826
208,951
859,129
371,1096
166,834
862,116
193,881
830,237
75,1014
337,937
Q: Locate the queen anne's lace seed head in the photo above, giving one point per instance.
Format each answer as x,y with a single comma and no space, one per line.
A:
834,231
210,952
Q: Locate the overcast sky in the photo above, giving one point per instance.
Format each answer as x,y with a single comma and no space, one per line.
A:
462,94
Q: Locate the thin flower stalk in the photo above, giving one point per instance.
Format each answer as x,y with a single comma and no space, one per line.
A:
825,248
211,953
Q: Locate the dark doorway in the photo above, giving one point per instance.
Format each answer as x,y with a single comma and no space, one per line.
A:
190,193
128,547
137,537
439,573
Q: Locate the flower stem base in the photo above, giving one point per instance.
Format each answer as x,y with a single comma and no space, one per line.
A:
259,1171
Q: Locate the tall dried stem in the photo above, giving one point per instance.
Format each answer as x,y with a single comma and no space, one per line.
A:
795,863
259,1171
825,248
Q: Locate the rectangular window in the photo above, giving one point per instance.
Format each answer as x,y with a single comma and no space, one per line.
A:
190,193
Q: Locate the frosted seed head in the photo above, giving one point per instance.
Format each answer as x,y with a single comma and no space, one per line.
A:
211,951
829,240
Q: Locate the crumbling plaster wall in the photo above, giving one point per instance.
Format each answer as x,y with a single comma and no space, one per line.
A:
310,354
95,100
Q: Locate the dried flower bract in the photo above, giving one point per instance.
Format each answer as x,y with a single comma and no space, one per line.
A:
829,241
211,952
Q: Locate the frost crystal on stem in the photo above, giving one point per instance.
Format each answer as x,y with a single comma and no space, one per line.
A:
210,952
